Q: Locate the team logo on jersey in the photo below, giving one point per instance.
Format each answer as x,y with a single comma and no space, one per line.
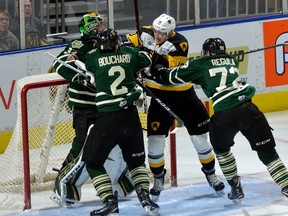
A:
77,44
122,103
241,97
155,125
184,46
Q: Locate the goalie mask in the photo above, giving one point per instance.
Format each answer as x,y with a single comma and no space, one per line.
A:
108,40
165,24
213,46
89,23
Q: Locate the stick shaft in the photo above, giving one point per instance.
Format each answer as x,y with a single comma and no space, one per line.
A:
80,72
260,49
180,122
136,12
66,65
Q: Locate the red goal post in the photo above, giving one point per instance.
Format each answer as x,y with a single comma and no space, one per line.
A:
42,138
25,132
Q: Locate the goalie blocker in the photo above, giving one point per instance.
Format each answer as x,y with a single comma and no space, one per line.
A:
68,183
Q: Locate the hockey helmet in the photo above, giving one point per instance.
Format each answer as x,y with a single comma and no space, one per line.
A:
213,46
108,40
89,22
164,23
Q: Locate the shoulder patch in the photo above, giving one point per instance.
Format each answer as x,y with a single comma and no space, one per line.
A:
77,44
184,46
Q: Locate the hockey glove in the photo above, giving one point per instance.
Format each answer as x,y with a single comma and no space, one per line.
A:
87,80
156,72
145,73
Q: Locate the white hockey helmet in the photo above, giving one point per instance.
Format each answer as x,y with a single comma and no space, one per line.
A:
164,23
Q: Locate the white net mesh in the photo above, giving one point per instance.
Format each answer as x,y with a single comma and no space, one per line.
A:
42,110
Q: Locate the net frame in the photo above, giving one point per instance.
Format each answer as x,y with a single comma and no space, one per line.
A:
25,135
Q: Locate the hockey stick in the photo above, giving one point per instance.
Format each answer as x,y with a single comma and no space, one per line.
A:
66,65
253,51
80,72
180,121
136,11
260,49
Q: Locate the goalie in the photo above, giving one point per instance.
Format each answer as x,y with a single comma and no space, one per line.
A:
72,175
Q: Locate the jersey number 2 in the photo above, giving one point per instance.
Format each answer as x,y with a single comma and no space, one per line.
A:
114,87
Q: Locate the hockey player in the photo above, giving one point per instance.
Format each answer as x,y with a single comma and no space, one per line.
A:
115,69
169,48
82,101
218,74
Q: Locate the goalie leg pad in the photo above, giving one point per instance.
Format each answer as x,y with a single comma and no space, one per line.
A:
66,194
69,181
124,186
117,170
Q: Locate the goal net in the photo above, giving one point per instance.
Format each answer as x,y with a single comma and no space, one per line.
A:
42,137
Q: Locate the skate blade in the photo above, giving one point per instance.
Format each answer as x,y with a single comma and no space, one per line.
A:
152,211
220,193
155,198
238,201
110,214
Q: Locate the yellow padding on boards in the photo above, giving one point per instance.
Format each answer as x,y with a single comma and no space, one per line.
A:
271,102
4,140
64,134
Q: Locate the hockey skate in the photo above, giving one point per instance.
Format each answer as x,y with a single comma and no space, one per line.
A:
110,208
150,207
157,187
236,193
215,183
284,191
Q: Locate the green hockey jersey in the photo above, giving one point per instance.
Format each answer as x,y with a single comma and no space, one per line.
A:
115,74
218,76
79,95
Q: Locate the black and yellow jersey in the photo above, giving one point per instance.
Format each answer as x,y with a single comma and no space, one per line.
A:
174,53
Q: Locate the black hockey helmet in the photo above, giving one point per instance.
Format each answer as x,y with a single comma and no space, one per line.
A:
213,46
108,40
